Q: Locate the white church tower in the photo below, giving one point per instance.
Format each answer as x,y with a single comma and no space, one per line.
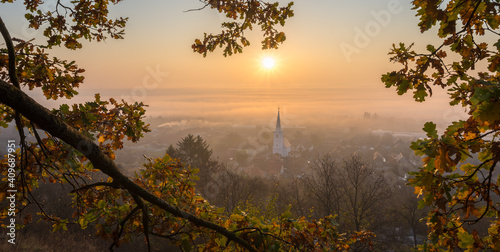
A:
280,144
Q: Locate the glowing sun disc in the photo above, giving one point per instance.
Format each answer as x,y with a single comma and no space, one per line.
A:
268,62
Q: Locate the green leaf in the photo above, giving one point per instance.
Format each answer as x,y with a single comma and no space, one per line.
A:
101,204
403,87
419,95
485,155
497,45
431,48
454,127
465,239
64,108
83,222
430,128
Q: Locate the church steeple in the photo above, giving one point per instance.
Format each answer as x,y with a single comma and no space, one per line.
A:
278,122
280,144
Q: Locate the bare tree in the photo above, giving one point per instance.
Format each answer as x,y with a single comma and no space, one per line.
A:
407,211
322,185
229,189
363,192
291,194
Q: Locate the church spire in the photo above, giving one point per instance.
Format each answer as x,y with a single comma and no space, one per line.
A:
278,122
280,143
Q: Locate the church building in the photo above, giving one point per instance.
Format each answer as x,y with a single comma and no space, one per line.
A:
281,145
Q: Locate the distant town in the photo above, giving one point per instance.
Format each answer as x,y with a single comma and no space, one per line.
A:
250,150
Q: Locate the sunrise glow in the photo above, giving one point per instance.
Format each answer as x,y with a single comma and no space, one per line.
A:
268,63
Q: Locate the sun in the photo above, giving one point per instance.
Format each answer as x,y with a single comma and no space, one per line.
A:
268,63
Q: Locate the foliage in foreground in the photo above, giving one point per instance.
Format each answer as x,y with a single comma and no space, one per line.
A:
170,181
460,190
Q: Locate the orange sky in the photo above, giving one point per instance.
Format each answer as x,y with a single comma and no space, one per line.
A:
338,45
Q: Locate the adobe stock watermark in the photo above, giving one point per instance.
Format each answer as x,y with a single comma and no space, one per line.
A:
455,114
363,36
11,191
151,81
252,146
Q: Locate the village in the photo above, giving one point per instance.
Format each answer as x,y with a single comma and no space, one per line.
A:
281,151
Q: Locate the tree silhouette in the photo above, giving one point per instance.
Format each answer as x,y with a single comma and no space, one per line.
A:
194,151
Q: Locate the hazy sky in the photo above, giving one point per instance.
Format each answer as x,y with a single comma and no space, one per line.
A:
331,63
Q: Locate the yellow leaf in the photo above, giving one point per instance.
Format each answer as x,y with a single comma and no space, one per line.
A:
418,191
49,74
101,139
469,136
